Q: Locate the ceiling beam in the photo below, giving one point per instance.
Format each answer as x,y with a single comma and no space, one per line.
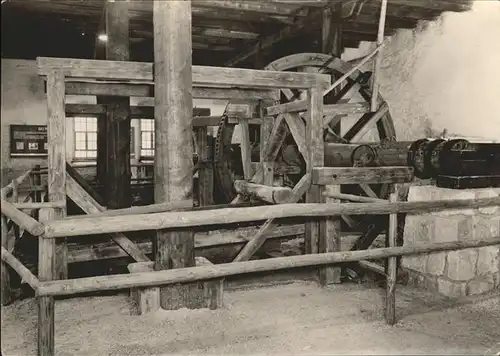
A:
259,6
287,32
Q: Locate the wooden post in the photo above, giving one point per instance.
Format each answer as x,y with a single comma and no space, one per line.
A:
314,139
205,170
53,254
5,281
378,59
265,132
173,139
37,182
329,240
57,162
391,264
117,136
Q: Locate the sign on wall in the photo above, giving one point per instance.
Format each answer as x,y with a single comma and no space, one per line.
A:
28,140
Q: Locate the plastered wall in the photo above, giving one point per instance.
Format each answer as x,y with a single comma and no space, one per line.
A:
444,75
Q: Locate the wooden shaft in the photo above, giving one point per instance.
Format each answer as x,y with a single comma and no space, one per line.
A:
185,275
24,221
54,204
378,59
273,195
21,270
172,220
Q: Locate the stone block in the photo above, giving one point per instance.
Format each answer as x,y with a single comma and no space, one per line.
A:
207,294
419,229
451,289
461,264
415,263
436,263
480,285
488,260
453,194
421,193
451,228
485,227
422,280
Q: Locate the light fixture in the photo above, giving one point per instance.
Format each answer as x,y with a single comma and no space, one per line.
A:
103,37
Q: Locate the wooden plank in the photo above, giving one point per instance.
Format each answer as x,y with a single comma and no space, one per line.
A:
90,206
83,183
361,175
173,78
246,149
171,220
315,158
5,191
192,274
260,237
201,75
39,205
147,90
206,169
329,240
57,162
392,264
329,110
351,197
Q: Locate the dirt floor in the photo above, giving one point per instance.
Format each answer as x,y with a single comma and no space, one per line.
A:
298,318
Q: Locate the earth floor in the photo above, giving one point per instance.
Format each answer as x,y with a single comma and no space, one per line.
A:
299,318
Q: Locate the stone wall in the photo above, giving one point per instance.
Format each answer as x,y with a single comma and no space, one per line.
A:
454,273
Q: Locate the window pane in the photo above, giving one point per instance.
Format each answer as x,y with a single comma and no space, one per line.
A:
92,154
80,141
92,124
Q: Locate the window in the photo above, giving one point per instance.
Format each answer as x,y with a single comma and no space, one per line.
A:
85,138
147,138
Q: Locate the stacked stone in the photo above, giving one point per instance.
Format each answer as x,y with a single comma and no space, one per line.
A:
454,273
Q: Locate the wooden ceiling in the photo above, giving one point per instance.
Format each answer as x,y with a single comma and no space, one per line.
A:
225,32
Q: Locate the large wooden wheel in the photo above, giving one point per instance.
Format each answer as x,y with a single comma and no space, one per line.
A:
375,127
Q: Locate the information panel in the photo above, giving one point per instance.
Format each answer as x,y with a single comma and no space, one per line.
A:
28,140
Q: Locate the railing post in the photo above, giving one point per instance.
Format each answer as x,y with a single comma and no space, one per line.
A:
5,277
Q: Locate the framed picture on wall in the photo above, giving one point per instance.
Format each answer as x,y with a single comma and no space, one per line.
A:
28,140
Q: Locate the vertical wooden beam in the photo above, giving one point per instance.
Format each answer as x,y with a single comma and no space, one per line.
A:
246,148
392,264
329,240
57,162
15,191
205,170
266,128
5,277
118,173
173,139
378,59
37,194
314,139
52,255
